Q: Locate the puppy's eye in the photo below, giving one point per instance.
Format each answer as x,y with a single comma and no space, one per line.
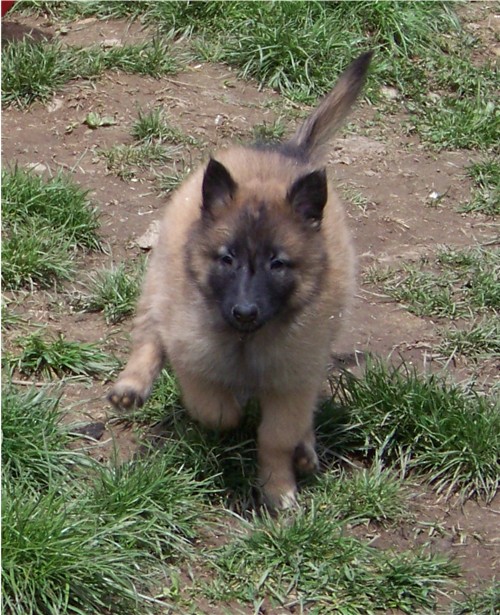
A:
277,264
226,259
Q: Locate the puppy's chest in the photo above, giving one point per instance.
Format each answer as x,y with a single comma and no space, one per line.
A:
248,364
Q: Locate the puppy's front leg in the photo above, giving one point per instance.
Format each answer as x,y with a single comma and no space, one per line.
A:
134,384
285,432
146,360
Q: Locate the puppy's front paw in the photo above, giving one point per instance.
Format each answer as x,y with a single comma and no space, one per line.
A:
127,393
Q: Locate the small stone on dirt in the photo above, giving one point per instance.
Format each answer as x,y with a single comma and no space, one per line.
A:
149,239
389,93
91,430
36,167
434,97
111,42
54,105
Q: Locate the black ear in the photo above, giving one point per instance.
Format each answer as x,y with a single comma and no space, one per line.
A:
308,196
218,188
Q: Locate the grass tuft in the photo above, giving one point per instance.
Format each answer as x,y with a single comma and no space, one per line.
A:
371,494
59,357
308,562
269,133
44,222
425,425
115,291
81,537
33,440
125,160
486,602
168,182
486,196
479,339
158,499
153,126
58,201
59,558
34,71
35,254
457,283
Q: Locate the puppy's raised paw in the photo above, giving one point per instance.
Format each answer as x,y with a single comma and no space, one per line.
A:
126,395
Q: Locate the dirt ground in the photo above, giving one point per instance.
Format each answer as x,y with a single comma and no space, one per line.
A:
378,157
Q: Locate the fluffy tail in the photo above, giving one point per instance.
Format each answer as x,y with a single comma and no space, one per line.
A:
315,133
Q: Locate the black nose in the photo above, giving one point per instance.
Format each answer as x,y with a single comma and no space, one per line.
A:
245,312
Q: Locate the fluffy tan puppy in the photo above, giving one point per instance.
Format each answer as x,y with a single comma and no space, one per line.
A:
247,289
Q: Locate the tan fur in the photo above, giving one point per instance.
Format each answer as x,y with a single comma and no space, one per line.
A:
283,363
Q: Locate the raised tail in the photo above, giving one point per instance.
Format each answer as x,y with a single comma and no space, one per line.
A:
312,137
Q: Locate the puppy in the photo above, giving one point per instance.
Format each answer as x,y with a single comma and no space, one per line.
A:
247,289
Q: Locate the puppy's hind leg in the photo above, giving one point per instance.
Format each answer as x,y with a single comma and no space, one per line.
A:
148,356
305,458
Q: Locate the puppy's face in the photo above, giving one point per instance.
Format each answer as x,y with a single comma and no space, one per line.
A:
256,254
252,275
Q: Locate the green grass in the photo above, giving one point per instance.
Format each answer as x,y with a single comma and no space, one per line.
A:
299,49
34,442
58,201
454,123
168,182
420,424
269,132
287,46
100,545
372,494
480,339
486,602
229,458
35,254
153,126
464,114
58,357
126,160
35,71
115,291
9,319
58,559
157,143
308,562
486,193
79,536
88,529
456,283
44,221
150,126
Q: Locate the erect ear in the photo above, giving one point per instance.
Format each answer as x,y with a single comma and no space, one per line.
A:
218,188
308,196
